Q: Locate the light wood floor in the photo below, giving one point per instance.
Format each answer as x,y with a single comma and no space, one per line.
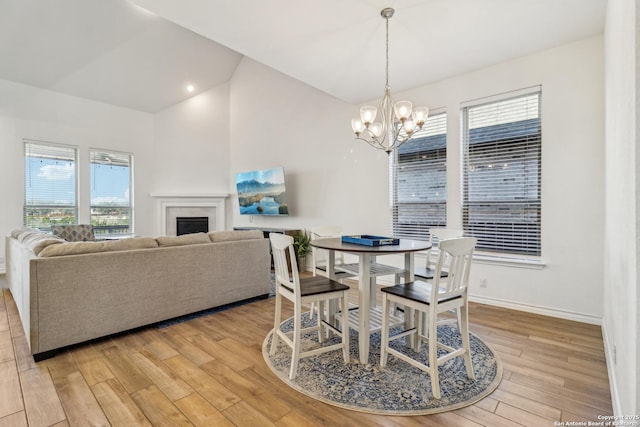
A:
210,372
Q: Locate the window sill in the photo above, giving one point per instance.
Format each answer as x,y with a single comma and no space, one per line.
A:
507,261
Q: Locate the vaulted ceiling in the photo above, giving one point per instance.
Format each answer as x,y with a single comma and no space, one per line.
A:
141,54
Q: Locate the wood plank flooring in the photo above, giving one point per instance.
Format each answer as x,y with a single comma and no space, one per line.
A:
209,372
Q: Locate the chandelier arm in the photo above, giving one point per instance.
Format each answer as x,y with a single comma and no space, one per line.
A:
372,143
397,143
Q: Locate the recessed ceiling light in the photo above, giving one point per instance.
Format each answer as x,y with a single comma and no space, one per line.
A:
190,88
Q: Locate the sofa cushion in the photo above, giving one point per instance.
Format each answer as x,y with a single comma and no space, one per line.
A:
80,248
38,241
130,243
27,233
72,248
185,239
19,233
230,236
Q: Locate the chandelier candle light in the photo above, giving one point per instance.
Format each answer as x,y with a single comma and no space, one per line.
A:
398,122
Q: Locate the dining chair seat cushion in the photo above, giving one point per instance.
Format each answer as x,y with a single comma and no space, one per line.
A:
416,291
319,285
427,273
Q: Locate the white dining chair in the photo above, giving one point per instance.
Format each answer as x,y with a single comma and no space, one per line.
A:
426,272
436,235
304,291
319,257
429,299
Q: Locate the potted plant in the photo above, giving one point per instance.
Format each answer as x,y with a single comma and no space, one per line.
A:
302,245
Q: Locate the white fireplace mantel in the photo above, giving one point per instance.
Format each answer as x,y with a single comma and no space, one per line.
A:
212,205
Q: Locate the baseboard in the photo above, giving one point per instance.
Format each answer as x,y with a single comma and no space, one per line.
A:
613,385
545,311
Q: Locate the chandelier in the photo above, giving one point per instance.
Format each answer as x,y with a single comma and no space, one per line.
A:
398,121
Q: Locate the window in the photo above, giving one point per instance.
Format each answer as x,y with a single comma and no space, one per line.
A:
419,181
50,185
111,192
502,170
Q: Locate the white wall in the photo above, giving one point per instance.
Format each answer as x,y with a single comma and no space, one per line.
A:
330,178
620,323
192,144
192,147
333,179
571,77
33,113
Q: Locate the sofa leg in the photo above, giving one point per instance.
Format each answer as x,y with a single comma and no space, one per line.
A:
44,355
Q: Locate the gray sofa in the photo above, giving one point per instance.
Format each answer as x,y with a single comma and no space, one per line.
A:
69,293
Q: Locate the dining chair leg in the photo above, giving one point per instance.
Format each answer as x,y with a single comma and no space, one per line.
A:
345,329
312,308
433,354
395,308
464,331
297,338
419,324
276,325
321,327
410,322
384,338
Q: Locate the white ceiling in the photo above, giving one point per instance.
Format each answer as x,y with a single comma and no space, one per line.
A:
107,50
115,51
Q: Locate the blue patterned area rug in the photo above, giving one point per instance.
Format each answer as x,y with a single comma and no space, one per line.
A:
399,389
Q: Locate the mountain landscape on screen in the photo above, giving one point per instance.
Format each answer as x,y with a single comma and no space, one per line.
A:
262,192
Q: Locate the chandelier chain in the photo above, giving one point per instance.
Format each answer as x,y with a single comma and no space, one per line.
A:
387,54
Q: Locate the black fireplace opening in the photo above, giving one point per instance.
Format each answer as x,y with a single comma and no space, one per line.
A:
192,224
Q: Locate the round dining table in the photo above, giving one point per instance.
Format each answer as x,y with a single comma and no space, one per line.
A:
367,269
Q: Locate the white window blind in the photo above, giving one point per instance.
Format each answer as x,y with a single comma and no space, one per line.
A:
418,177
502,174
50,190
111,192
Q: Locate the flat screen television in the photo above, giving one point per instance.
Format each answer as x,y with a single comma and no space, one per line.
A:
262,192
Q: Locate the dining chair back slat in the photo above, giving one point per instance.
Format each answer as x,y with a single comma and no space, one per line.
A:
282,249
455,255
436,235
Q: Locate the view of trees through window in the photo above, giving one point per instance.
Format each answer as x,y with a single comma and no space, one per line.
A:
110,192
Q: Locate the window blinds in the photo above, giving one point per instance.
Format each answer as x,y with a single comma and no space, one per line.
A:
502,174
418,181
50,190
